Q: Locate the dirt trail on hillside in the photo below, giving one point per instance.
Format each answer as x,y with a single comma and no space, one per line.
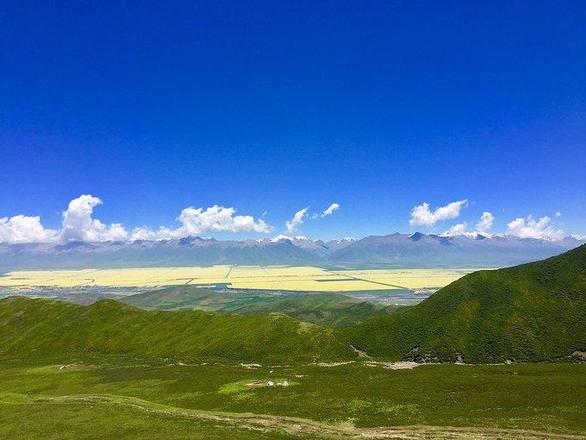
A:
306,427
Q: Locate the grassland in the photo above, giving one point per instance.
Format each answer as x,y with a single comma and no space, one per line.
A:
104,397
281,278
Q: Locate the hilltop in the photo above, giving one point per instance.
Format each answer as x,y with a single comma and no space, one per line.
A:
49,328
526,313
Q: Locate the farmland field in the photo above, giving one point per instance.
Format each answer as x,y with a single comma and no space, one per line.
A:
287,278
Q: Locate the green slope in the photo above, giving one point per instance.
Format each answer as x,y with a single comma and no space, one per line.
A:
532,312
48,328
324,308
331,309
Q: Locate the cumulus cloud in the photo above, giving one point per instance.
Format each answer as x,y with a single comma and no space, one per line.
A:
297,220
458,229
195,221
78,223
422,215
531,228
25,229
330,210
482,227
485,222
143,233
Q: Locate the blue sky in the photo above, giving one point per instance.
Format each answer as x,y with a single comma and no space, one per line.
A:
271,107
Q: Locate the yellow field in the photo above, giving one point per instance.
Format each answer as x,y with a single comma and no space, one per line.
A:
239,277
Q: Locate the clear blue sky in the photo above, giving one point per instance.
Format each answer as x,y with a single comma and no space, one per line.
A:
274,106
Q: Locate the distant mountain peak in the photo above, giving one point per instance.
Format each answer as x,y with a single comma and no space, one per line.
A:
416,236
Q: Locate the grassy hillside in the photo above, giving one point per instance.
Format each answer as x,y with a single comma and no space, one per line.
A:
48,328
332,309
532,312
324,308
103,398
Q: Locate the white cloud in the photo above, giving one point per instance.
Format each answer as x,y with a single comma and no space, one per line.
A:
195,221
330,210
297,220
143,233
485,222
422,215
25,229
458,229
289,237
483,225
217,218
78,223
531,228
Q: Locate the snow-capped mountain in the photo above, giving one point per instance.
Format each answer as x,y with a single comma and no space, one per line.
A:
402,250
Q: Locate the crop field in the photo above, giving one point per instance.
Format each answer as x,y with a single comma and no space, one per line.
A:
289,278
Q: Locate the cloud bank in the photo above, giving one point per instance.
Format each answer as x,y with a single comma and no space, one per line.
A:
78,224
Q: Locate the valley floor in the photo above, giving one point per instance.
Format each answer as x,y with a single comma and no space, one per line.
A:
100,397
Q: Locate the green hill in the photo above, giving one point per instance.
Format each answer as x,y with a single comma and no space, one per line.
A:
43,327
331,309
532,312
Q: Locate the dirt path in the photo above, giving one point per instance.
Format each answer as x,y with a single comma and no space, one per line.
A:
360,353
305,427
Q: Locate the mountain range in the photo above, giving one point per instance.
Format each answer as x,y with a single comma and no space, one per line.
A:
398,249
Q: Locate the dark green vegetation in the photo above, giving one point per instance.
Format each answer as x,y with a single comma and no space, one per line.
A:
101,397
526,313
331,309
43,327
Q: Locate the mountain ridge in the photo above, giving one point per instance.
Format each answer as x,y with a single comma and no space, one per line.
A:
42,327
397,249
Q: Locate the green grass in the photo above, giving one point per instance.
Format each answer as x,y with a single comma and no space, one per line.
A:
76,421
527,313
540,397
45,328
